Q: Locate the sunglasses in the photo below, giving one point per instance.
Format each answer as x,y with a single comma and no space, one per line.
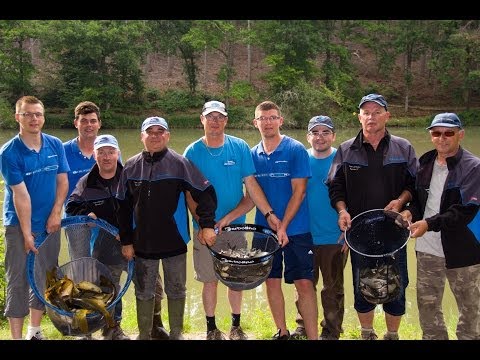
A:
448,133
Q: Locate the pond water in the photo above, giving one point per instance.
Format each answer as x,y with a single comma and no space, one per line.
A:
255,300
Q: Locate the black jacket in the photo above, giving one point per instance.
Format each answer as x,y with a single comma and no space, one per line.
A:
350,175
94,194
459,218
148,193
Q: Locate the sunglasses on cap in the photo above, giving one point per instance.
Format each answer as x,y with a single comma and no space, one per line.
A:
448,133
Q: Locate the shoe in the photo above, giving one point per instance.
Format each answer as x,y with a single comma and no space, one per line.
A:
37,336
369,335
114,333
86,337
299,333
176,335
327,335
283,337
159,333
391,335
236,333
215,335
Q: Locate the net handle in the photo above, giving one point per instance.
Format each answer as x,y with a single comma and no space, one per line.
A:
390,254
245,228
75,220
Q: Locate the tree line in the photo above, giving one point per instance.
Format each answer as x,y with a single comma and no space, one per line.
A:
310,64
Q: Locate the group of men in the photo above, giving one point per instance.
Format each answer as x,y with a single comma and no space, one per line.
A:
309,197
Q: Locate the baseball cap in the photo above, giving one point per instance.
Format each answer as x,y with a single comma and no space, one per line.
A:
212,106
446,120
320,120
153,121
379,99
105,140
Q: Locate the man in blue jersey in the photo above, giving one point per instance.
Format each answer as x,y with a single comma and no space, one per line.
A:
282,170
34,167
329,257
226,162
79,152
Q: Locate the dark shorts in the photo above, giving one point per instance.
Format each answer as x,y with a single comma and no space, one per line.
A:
395,307
298,258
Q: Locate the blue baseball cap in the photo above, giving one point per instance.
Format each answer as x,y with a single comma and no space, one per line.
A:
153,121
446,120
105,140
320,120
376,98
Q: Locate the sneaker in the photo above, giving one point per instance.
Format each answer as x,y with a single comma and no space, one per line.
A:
236,333
391,335
327,335
369,335
283,337
37,336
215,335
299,333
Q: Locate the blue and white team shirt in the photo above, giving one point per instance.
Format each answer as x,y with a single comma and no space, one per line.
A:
79,163
39,172
275,172
323,218
225,167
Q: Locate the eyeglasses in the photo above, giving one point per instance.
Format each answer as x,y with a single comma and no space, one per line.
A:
323,133
448,133
265,118
215,118
31,115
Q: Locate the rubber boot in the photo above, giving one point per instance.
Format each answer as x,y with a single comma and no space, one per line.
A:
158,331
176,309
145,318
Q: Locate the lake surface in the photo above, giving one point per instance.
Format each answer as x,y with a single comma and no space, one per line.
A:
255,300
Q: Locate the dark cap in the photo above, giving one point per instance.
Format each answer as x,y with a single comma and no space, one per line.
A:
446,120
379,99
320,120
153,121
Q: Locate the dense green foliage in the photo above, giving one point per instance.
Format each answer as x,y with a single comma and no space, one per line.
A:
309,64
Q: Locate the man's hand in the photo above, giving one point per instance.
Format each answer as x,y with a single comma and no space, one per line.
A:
418,228
344,220
29,244
207,236
274,222
128,252
54,222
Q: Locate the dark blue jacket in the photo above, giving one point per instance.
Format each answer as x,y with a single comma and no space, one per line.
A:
459,218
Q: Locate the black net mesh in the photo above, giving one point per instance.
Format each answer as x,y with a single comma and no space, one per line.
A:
86,250
377,233
243,255
376,236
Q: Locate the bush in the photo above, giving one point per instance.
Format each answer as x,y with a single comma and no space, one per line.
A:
7,117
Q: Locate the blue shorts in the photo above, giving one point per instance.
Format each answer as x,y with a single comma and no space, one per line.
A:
298,257
395,307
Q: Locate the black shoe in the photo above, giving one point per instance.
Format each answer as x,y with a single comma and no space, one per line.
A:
299,333
327,335
282,337
159,333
